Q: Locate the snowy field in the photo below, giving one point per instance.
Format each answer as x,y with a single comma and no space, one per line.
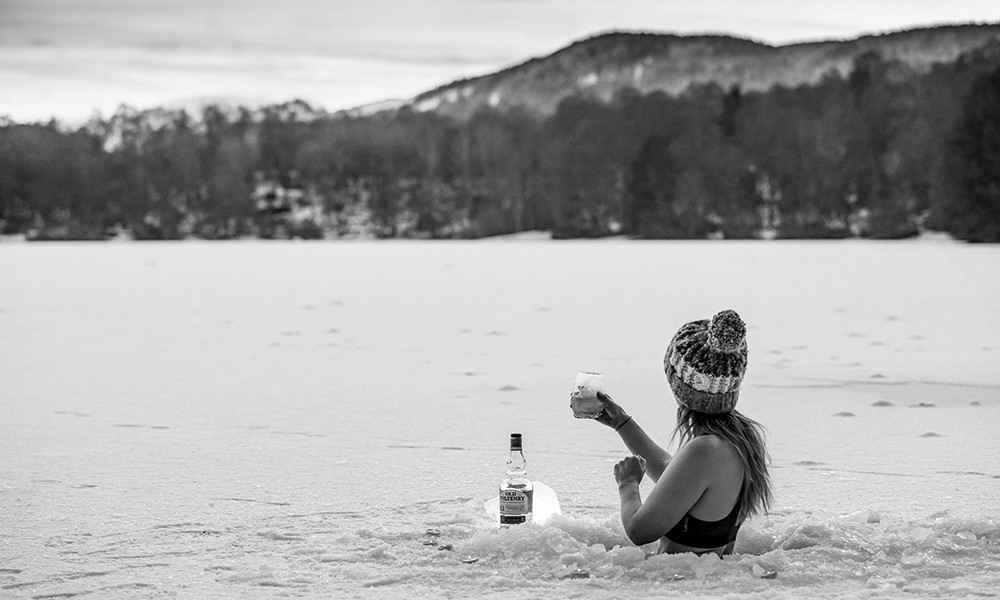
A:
268,419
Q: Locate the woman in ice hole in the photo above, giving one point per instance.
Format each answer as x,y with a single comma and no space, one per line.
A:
719,476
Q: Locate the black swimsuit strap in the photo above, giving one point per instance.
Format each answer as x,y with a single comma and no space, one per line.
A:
692,531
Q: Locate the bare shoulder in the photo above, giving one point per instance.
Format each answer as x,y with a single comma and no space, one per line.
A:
707,443
710,448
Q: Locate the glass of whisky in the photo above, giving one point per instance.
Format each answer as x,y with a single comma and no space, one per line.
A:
583,400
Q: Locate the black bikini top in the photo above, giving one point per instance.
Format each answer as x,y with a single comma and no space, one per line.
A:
693,532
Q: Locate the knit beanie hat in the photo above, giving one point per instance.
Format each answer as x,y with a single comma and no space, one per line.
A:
705,363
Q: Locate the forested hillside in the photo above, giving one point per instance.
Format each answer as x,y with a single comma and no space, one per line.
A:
600,66
884,149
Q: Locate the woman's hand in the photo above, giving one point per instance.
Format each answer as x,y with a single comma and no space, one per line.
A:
630,469
613,416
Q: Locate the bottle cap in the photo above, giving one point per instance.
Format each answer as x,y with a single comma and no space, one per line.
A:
515,441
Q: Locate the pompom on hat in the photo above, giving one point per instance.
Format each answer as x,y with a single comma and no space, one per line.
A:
706,361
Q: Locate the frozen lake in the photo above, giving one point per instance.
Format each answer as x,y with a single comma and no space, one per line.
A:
263,418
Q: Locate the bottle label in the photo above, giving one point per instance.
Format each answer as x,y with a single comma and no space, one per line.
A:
514,503
507,520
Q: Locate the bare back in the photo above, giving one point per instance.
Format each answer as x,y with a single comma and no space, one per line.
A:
720,483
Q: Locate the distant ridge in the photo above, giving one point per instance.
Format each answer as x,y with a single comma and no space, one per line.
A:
601,65
374,107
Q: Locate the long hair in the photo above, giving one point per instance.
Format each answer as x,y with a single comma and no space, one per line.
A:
747,436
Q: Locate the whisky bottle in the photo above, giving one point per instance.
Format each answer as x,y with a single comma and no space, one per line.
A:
516,491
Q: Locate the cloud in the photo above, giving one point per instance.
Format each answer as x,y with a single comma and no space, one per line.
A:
77,54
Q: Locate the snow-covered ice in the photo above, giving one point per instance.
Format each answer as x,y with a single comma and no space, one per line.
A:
253,419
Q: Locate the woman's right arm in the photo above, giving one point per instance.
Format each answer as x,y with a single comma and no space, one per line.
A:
636,440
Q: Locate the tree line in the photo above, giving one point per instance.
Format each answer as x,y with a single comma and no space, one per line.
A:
881,152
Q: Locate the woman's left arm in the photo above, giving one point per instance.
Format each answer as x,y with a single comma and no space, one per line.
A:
683,482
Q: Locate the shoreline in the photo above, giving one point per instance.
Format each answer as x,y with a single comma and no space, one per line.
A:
524,236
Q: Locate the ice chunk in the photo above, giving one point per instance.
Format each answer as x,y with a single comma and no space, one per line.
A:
545,504
863,516
627,556
706,565
574,558
919,534
912,558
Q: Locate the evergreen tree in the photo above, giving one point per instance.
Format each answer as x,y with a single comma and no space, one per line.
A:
975,214
653,178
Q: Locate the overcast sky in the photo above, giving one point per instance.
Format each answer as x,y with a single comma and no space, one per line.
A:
68,58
